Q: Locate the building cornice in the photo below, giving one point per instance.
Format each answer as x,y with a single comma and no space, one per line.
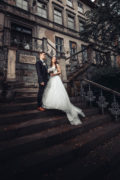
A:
55,28
50,28
89,3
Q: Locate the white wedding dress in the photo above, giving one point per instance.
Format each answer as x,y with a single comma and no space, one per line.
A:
55,97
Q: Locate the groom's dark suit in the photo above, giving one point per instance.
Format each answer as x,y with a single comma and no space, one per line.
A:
43,76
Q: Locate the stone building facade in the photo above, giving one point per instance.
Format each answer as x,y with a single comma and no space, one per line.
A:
25,27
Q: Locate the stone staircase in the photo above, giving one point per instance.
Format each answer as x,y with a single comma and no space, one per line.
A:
43,144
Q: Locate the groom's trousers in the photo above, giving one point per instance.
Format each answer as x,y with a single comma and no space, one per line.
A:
40,94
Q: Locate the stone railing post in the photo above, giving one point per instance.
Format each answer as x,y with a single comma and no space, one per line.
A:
62,64
44,45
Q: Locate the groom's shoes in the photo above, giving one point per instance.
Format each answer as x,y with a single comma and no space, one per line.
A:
40,109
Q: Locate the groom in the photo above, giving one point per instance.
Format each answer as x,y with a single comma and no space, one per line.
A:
43,76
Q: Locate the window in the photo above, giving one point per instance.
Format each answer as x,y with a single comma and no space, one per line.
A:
84,54
69,3
98,58
70,22
22,4
73,48
59,45
42,9
57,16
21,36
81,25
80,7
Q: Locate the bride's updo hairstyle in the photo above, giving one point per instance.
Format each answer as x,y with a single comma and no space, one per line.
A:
56,62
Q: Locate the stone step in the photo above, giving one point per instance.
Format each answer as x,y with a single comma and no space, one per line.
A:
33,98
22,99
8,132
12,107
101,163
15,107
26,90
23,91
15,130
48,137
23,116
28,86
15,84
44,160
114,170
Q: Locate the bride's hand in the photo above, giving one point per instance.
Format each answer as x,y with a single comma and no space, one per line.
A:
51,74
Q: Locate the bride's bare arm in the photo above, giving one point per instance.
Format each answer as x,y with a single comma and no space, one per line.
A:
58,69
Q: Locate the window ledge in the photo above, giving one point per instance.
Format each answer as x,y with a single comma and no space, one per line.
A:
21,8
43,18
81,13
70,6
71,30
57,24
60,5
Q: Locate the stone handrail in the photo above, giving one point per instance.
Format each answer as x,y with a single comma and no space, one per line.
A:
102,87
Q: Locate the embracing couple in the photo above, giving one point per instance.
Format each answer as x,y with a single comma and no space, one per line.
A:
52,93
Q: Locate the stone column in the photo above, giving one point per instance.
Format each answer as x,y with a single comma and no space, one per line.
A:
50,11
77,23
90,54
11,69
62,64
2,17
44,45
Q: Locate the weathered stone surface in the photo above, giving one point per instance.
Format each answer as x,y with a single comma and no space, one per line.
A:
23,58
63,69
11,64
41,28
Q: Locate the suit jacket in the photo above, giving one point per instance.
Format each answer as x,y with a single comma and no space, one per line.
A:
42,72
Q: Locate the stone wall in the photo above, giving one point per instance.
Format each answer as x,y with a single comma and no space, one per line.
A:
41,28
25,67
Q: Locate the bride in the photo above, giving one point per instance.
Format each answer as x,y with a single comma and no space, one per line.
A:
55,95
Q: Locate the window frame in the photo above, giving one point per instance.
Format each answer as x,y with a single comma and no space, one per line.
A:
18,33
59,10
21,5
62,45
70,3
46,9
72,16
71,49
82,22
79,2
